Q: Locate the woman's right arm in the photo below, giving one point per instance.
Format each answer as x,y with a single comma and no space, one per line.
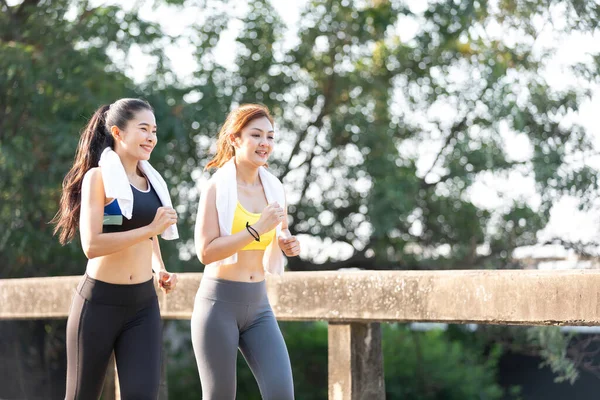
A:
93,241
210,246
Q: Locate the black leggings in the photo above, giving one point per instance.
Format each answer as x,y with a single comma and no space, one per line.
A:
106,317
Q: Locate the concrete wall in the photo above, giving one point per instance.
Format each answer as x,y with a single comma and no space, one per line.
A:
489,297
354,302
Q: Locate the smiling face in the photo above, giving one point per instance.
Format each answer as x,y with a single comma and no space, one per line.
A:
138,138
254,143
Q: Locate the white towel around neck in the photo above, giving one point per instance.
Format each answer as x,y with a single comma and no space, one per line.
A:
226,202
117,186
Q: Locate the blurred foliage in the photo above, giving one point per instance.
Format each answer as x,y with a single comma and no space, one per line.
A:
370,161
562,352
55,72
436,364
553,346
381,138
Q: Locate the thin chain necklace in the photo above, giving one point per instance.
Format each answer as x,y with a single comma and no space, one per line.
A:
254,185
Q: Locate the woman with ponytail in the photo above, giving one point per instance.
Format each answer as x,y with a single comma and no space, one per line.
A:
241,231
120,204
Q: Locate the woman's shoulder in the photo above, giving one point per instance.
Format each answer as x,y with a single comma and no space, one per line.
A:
93,178
214,178
211,184
93,174
209,188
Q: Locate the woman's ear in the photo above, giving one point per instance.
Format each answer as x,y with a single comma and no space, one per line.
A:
233,140
115,132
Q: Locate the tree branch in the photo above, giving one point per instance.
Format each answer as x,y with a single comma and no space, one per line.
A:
20,14
579,247
318,122
456,128
8,9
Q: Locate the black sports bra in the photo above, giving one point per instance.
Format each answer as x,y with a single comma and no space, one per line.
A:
145,205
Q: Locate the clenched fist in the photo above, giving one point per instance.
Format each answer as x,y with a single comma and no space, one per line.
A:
271,216
165,217
167,281
289,244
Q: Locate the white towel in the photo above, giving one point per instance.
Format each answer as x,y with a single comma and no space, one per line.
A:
226,199
117,186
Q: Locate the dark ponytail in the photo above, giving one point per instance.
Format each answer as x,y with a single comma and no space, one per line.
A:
94,139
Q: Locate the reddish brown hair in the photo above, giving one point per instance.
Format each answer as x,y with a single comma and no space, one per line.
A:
235,122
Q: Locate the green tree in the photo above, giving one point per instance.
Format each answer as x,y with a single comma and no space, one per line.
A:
350,101
56,71
59,61
356,104
422,365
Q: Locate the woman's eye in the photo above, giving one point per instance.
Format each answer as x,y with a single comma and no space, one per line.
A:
271,137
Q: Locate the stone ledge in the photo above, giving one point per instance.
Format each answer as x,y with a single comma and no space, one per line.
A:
487,297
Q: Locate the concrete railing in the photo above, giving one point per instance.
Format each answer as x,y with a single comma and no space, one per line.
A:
354,303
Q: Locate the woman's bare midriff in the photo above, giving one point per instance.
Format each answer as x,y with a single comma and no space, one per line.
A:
129,266
249,268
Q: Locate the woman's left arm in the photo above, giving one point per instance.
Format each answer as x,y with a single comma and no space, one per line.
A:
287,242
166,280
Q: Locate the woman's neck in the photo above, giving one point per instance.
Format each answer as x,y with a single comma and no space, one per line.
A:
246,174
129,164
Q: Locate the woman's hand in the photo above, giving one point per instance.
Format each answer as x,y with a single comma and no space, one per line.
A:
165,217
289,244
271,216
167,281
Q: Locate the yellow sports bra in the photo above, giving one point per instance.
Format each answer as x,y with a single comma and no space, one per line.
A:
240,217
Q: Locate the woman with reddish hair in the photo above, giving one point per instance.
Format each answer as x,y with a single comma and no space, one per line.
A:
241,231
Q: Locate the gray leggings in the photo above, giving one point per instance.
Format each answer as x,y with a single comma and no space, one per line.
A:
228,315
